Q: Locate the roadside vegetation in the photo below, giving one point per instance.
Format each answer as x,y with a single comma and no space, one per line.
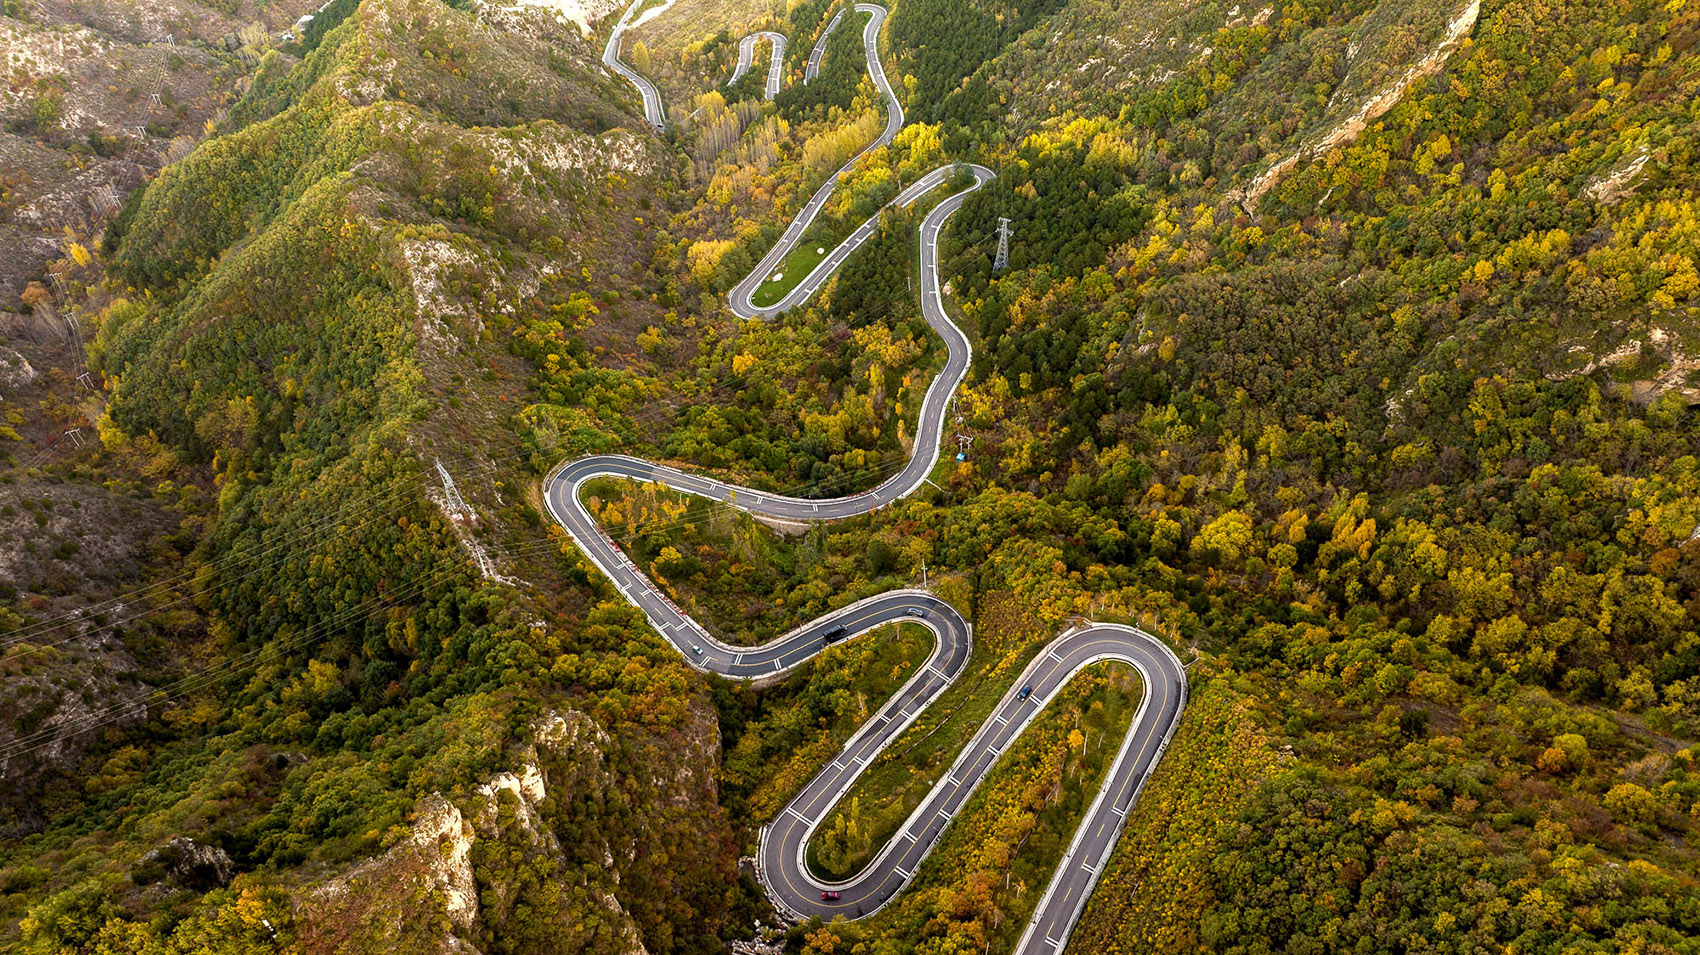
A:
776,740
866,818
795,267
1403,449
990,868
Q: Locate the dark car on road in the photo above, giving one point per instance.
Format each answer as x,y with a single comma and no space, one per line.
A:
1026,692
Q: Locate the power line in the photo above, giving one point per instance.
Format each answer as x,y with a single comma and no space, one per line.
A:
366,502
210,674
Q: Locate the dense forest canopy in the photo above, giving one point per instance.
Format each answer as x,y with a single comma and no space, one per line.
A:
1356,359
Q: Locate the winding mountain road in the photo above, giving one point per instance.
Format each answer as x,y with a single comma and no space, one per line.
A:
646,89
812,71
741,298
775,63
781,855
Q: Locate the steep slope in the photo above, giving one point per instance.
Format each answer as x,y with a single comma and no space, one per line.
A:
1407,270
1397,439
323,301
100,96
1395,123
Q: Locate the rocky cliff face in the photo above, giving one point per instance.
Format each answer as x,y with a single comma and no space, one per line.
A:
100,96
510,859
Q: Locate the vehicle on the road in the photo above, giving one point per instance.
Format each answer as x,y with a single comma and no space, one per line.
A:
782,846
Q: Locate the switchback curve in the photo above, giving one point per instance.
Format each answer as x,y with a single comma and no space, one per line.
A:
775,63
740,299
780,857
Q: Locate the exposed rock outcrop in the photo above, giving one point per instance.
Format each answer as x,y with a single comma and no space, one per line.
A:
1371,109
185,863
431,893
1614,185
15,370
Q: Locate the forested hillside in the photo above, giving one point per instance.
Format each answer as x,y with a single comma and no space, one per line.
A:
310,311
1354,342
99,96
1349,345
1415,447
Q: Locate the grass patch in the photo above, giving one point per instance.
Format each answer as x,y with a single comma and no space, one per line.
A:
794,269
1005,639
776,739
995,860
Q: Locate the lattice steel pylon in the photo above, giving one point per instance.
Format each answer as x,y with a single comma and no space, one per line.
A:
456,504
1002,261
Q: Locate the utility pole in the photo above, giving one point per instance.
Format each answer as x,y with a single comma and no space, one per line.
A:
923,573
1002,261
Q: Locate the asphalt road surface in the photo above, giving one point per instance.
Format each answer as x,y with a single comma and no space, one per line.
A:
775,63
813,69
781,856
740,298
646,89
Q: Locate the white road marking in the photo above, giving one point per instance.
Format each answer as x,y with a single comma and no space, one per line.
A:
933,413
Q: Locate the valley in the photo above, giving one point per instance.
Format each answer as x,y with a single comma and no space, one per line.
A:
910,477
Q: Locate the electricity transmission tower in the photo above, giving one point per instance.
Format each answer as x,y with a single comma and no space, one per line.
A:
1002,261
456,504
